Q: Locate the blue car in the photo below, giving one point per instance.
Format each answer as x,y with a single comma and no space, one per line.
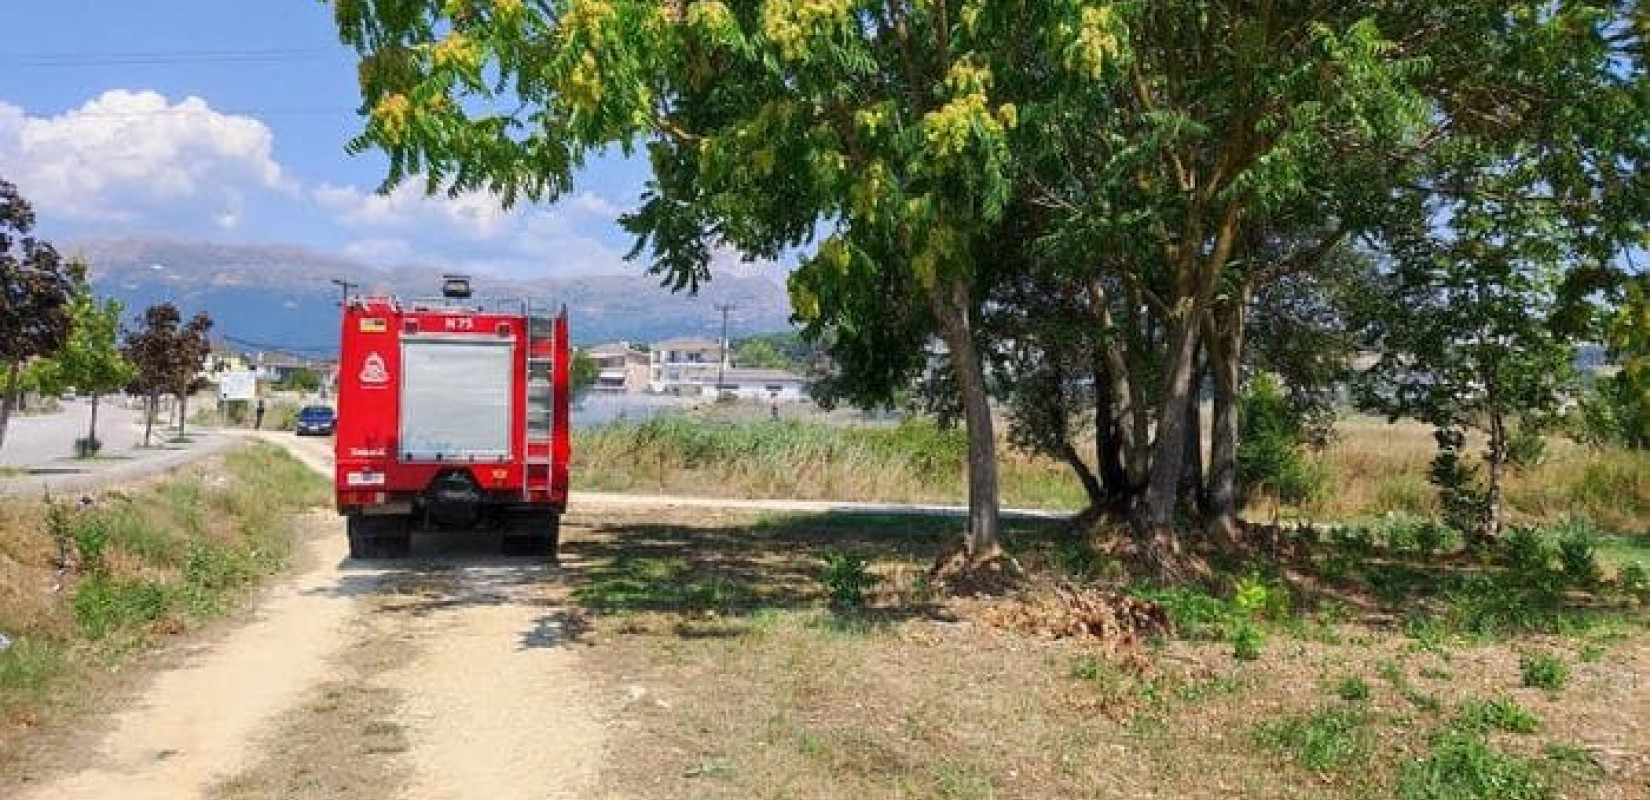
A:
316,421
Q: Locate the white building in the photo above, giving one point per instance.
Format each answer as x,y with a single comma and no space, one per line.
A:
775,385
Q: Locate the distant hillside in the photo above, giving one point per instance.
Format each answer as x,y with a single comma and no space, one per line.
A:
283,295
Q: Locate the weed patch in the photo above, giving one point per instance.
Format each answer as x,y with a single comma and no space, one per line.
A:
1326,740
1544,671
1463,766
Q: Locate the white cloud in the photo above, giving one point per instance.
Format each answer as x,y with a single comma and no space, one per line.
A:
125,156
380,252
475,215
408,225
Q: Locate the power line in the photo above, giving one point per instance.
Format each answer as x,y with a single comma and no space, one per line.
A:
167,58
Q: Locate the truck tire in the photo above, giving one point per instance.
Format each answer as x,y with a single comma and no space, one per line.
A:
378,537
534,536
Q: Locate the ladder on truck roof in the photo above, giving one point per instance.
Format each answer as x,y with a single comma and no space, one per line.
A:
539,452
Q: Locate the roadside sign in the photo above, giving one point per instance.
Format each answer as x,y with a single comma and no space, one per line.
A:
238,385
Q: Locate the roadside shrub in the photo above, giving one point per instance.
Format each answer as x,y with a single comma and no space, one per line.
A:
91,534
1544,671
846,578
1578,551
1271,457
1526,550
1461,494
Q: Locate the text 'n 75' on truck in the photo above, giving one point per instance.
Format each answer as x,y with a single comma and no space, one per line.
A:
452,415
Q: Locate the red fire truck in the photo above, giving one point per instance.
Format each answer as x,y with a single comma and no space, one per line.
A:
452,414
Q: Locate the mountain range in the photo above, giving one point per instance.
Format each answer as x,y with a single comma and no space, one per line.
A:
283,297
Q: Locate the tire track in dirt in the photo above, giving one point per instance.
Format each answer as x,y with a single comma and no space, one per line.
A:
194,720
431,679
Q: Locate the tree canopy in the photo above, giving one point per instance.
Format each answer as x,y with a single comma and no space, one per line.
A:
953,169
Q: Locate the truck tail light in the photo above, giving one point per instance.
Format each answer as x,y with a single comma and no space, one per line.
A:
503,330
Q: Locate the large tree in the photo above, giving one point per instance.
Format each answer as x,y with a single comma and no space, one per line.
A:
1234,145
36,293
880,125
1169,160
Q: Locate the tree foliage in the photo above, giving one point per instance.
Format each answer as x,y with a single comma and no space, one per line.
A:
36,295
168,354
1109,204
91,359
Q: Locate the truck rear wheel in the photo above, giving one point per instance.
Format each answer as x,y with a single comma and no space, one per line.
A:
378,537
533,535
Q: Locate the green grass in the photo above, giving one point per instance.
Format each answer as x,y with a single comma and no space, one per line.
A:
1462,765
30,668
147,564
1544,671
1325,740
1352,689
1501,713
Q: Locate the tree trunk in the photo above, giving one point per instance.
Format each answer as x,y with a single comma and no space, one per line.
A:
1225,347
1098,499
12,373
151,407
952,306
183,412
1496,458
91,430
1191,465
1110,439
1155,519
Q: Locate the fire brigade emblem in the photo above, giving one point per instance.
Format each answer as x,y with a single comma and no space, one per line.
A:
374,371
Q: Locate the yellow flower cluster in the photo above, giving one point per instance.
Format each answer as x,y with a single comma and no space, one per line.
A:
791,23
584,83
1099,40
392,114
459,52
711,17
586,17
949,128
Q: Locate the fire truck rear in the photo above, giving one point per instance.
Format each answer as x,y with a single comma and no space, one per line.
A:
452,415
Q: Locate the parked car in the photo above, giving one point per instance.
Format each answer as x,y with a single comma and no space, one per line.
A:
316,420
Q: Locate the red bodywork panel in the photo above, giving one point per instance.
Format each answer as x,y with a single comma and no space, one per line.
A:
371,470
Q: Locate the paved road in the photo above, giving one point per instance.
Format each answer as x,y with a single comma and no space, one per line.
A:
43,444
38,440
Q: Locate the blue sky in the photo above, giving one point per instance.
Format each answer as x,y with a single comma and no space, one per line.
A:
226,120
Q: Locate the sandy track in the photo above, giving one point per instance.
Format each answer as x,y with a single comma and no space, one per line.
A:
472,669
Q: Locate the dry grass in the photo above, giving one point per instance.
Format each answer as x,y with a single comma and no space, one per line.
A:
1376,468
740,682
178,550
911,463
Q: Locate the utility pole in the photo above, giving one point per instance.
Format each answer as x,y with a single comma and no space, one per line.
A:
346,286
721,365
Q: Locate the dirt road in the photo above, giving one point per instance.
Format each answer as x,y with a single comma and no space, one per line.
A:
431,679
